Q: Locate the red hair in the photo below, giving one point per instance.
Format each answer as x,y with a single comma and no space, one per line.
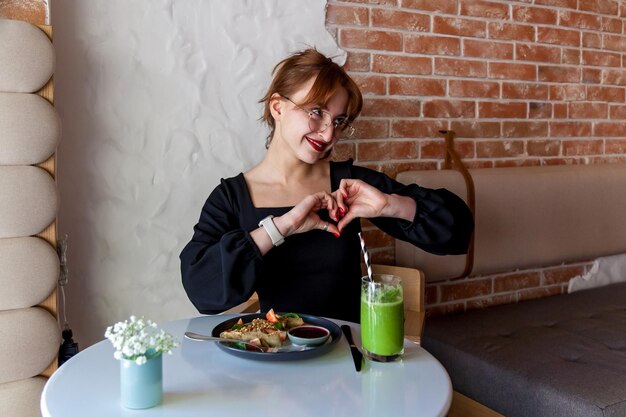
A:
293,72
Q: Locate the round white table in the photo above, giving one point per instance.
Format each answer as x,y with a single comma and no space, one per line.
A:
199,379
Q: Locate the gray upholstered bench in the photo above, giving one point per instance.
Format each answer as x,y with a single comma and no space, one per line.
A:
557,356
560,356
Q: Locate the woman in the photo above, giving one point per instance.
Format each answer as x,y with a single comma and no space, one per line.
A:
285,228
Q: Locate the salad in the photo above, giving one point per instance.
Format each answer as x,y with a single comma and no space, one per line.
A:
269,332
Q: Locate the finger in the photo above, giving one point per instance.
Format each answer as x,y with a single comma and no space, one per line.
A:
316,202
323,198
342,206
330,228
340,196
331,206
342,211
324,225
309,203
345,221
349,191
343,185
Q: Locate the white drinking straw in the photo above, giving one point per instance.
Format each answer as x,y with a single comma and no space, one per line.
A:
368,264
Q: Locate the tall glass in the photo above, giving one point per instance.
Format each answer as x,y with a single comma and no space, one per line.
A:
382,317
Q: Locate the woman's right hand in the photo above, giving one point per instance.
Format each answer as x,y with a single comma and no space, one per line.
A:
304,216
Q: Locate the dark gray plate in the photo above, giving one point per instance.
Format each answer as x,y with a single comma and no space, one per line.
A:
335,335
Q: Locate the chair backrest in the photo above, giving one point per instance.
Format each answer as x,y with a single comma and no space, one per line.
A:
413,286
250,306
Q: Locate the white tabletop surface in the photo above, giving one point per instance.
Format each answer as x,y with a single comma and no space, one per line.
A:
199,379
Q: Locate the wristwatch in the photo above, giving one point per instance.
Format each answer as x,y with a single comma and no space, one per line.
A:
272,230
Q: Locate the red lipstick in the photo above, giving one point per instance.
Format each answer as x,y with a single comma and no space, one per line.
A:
318,145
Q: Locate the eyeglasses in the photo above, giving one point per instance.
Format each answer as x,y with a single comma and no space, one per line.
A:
319,120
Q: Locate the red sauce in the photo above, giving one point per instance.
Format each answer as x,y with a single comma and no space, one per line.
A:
308,332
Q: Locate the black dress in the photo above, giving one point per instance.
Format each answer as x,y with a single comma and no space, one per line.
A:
314,272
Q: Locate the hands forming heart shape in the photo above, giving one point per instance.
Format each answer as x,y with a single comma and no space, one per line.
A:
353,199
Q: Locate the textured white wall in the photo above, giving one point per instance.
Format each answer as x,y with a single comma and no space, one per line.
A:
158,100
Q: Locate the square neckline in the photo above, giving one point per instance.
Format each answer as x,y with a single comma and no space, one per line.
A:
246,190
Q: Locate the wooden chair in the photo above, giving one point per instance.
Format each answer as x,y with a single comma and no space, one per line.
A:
250,306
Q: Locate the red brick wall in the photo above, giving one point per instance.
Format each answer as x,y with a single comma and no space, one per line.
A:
535,82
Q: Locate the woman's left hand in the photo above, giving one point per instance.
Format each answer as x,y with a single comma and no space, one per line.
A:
356,198
359,199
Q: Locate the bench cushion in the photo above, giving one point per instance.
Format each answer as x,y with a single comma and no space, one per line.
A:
21,398
29,270
30,342
30,129
530,217
29,200
27,57
561,356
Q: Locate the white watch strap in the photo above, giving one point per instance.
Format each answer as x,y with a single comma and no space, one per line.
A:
272,230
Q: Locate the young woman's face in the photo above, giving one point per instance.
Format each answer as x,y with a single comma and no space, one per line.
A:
299,125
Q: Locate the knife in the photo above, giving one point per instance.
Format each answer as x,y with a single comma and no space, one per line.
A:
357,356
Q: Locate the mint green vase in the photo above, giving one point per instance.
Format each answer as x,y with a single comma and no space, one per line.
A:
141,385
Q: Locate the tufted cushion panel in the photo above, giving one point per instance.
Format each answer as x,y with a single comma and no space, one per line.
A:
21,398
29,200
29,269
31,340
29,129
27,57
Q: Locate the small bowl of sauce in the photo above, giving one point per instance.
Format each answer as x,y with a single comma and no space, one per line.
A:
308,335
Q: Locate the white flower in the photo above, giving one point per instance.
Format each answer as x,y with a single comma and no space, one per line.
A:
138,340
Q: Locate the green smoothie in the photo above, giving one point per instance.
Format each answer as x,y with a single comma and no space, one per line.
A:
382,320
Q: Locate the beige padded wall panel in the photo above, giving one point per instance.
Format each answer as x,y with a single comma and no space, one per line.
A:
29,270
29,200
530,217
21,398
30,341
29,129
27,57
549,215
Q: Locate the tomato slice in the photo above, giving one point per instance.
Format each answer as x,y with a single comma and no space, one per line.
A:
240,321
271,316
